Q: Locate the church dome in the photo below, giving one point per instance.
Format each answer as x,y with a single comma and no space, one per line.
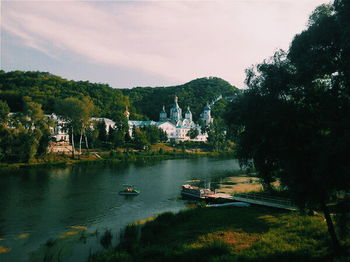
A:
207,107
163,115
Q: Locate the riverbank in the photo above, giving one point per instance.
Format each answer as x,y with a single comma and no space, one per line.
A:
61,160
57,200
224,234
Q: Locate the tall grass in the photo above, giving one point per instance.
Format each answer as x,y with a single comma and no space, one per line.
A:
226,234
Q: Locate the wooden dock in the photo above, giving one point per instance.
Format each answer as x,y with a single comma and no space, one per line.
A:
265,200
253,198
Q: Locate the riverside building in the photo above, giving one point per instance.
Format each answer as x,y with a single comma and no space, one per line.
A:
176,126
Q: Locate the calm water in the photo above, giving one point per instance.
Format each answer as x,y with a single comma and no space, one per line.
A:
39,204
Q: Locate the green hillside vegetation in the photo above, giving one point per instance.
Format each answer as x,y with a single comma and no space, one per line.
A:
47,89
150,100
293,121
77,101
143,102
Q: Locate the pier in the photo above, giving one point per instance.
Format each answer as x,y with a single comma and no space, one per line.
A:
265,200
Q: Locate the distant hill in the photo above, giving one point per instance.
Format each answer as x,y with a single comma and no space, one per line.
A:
144,102
196,93
46,89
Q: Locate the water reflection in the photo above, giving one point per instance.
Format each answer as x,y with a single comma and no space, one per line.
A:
45,203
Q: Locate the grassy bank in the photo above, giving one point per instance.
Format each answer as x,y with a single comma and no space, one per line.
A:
225,234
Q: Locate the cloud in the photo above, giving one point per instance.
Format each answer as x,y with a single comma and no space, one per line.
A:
178,40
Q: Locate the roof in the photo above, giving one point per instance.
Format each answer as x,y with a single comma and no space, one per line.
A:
141,123
207,107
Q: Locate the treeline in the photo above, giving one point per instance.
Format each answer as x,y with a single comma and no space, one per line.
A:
23,136
111,138
47,89
293,123
76,102
149,101
143,103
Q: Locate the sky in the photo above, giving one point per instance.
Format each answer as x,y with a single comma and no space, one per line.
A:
147,43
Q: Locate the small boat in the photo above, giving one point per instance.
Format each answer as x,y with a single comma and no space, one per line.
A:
129,190
205,194
195,192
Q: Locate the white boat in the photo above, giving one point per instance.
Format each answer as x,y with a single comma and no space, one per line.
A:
195,192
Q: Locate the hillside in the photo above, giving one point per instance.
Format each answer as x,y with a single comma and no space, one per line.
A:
196,93
47,89
144,102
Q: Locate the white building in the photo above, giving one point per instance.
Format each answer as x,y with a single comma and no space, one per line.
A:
59,131
108,122
176,127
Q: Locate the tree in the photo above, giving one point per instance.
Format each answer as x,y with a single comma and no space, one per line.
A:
140,139
122,129
23,136
37,134
4,111
77,114
293,121
5,131
85,116
217,134
193,133
102,131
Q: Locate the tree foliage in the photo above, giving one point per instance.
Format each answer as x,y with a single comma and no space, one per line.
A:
149,101
143,102
47,90
193,133
23,136
293,122
76,114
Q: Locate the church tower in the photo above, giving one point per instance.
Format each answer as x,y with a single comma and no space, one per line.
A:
206,115
175,111
163,115
188,114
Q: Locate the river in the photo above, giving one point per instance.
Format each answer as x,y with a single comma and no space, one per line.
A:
40,204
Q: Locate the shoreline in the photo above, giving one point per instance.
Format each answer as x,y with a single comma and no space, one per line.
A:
56,160
222,234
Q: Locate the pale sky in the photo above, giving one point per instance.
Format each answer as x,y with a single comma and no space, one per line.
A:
147,43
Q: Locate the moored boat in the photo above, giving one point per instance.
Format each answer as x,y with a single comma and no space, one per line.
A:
198,193
129,190
195,192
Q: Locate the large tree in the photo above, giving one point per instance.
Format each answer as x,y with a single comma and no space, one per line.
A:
77,114
293,122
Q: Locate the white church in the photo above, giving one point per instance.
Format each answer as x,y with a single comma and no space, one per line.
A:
176,126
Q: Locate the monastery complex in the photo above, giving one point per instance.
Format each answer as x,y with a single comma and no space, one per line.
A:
175,125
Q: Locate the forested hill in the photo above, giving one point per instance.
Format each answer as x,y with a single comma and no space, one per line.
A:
144,102
195,94
46,89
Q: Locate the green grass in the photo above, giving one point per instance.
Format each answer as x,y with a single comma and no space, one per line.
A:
225,234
